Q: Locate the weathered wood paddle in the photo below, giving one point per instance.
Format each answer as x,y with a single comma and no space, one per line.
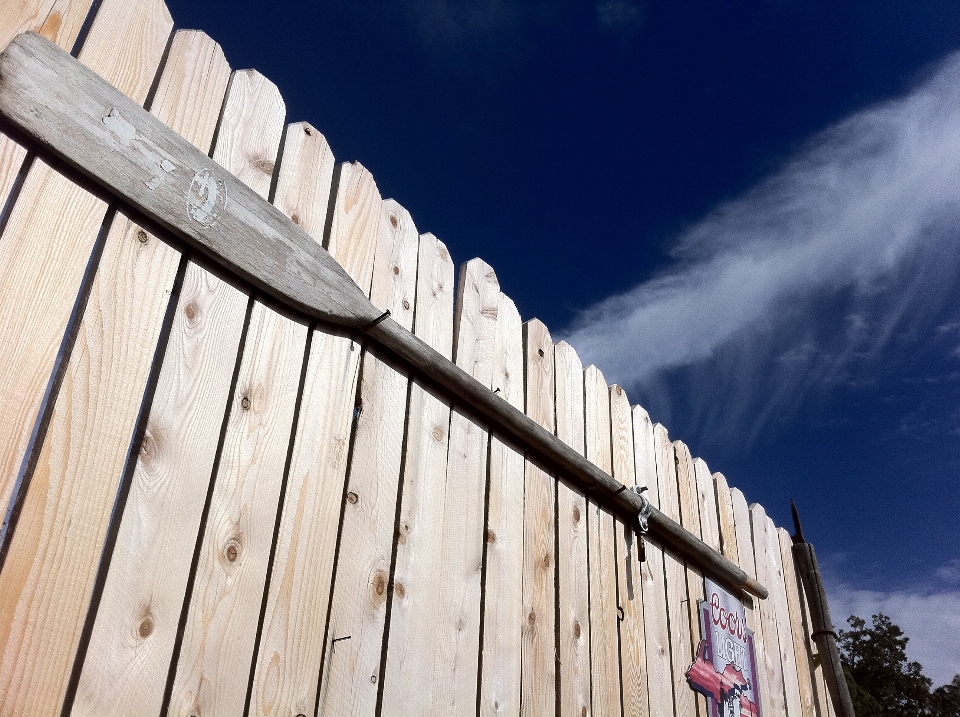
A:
73,113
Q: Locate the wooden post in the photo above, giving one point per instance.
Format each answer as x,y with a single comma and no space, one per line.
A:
805,558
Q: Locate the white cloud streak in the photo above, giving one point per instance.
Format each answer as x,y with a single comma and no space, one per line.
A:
861,213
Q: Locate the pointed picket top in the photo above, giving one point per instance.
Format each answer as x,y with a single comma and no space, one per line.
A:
395,264
475,319
305,179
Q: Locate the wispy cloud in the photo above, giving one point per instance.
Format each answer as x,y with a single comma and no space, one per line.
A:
842,253
927,617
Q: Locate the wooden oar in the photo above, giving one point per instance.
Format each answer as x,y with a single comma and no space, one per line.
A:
72,112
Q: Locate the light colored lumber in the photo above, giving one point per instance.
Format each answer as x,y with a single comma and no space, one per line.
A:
145,585
778,597
656,630
747,561
304,182
604,614
681,651
250,129
690,510
539,649
291,646
503,590
356,214
41,279
275,255
776,699
227,594
214,663
352,670
48,577
727,524
57,20
633,644
798,628
573,577
417,628
707,499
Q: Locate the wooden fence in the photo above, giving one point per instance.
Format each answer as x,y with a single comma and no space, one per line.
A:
221,507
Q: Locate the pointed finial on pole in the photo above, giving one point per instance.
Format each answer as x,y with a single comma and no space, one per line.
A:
798,535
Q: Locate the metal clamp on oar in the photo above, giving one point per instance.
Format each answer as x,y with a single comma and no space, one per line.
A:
643,516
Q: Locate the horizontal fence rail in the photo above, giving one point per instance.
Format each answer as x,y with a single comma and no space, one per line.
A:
265,452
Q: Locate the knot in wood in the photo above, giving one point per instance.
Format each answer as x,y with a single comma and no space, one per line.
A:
394,222
191,311
295,218
245,403
400,590
146,628
576,629
540,351
532,618
576,514
491,536
406,304
352,498
142,236
438,433
231,551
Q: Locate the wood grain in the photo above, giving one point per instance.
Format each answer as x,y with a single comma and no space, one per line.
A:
681,650
214,665
604,614
291,647
352,669
41,279
57,20
727,525
48,576
503,589
778,597
653,582
766,572
799,629
125,665
304,182
633,644
538,670
744,540
212,672
573,578
354,224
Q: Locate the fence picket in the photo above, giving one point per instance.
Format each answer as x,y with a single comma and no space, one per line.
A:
573,575
744,541
213,664
148,573
690,509
291,647
778,597
653,582
681,653
352,670
59,22
633,644
776,697
53,558
45,276
503,588
602,559
538,670
798,628
727,526
354,224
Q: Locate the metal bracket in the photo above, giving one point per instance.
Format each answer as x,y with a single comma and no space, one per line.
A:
646,509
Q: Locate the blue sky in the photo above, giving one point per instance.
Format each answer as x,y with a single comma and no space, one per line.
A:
747,213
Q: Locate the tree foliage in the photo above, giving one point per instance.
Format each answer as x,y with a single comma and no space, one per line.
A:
883,683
